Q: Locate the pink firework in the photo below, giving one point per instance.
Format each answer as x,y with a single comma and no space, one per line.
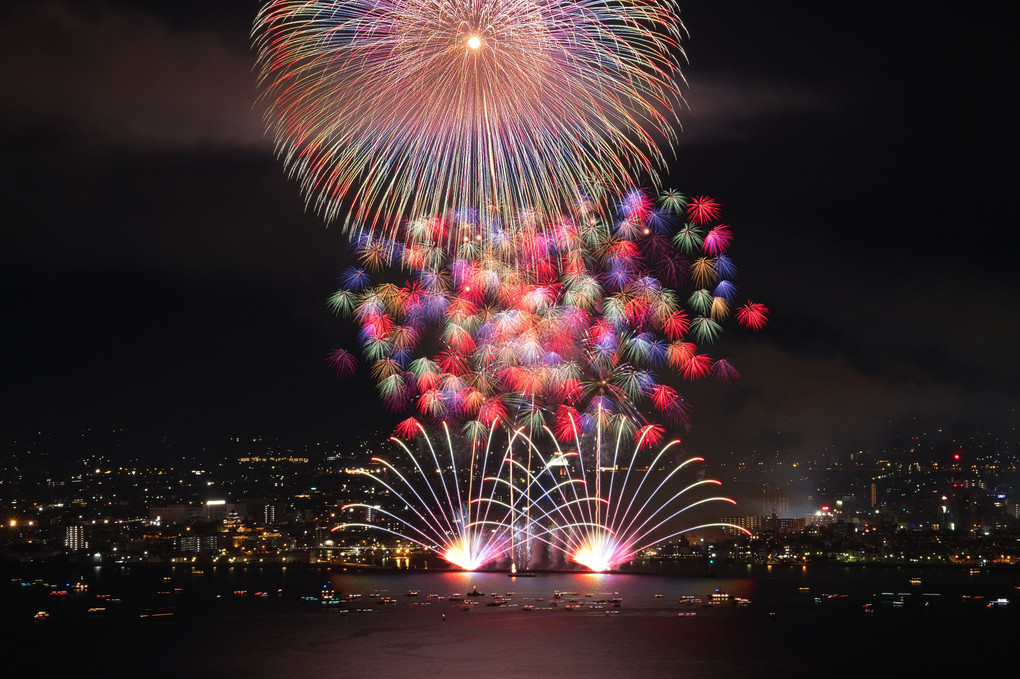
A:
343,362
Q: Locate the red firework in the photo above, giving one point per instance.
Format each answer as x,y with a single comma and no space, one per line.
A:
753,315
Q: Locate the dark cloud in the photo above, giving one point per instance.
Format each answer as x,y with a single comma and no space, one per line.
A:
109,76
812,402
727,107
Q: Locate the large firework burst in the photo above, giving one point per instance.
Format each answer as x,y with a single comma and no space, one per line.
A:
395,109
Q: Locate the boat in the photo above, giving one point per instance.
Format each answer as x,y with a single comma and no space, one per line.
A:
514,573
164,613
474,592
412,592
718,597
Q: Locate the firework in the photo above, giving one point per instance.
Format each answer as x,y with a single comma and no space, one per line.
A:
390,110
594,505
451,514
616,505
572,322
753,315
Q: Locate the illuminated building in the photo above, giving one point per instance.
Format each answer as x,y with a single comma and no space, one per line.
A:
75,538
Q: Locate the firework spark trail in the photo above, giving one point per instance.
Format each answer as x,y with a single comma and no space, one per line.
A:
390,110
472,525
629,526
570,324
523,526
452,516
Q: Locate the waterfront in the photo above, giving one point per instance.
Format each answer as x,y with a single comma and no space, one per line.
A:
270,622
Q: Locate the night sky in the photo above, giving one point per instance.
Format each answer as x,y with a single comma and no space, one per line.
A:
160,272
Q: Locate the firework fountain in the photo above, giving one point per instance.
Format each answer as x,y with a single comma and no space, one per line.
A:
636,501
596,505
464,505
446,514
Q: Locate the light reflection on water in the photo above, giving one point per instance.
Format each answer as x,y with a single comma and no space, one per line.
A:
634,589
742,581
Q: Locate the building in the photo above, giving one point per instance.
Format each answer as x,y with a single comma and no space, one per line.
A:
75,538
